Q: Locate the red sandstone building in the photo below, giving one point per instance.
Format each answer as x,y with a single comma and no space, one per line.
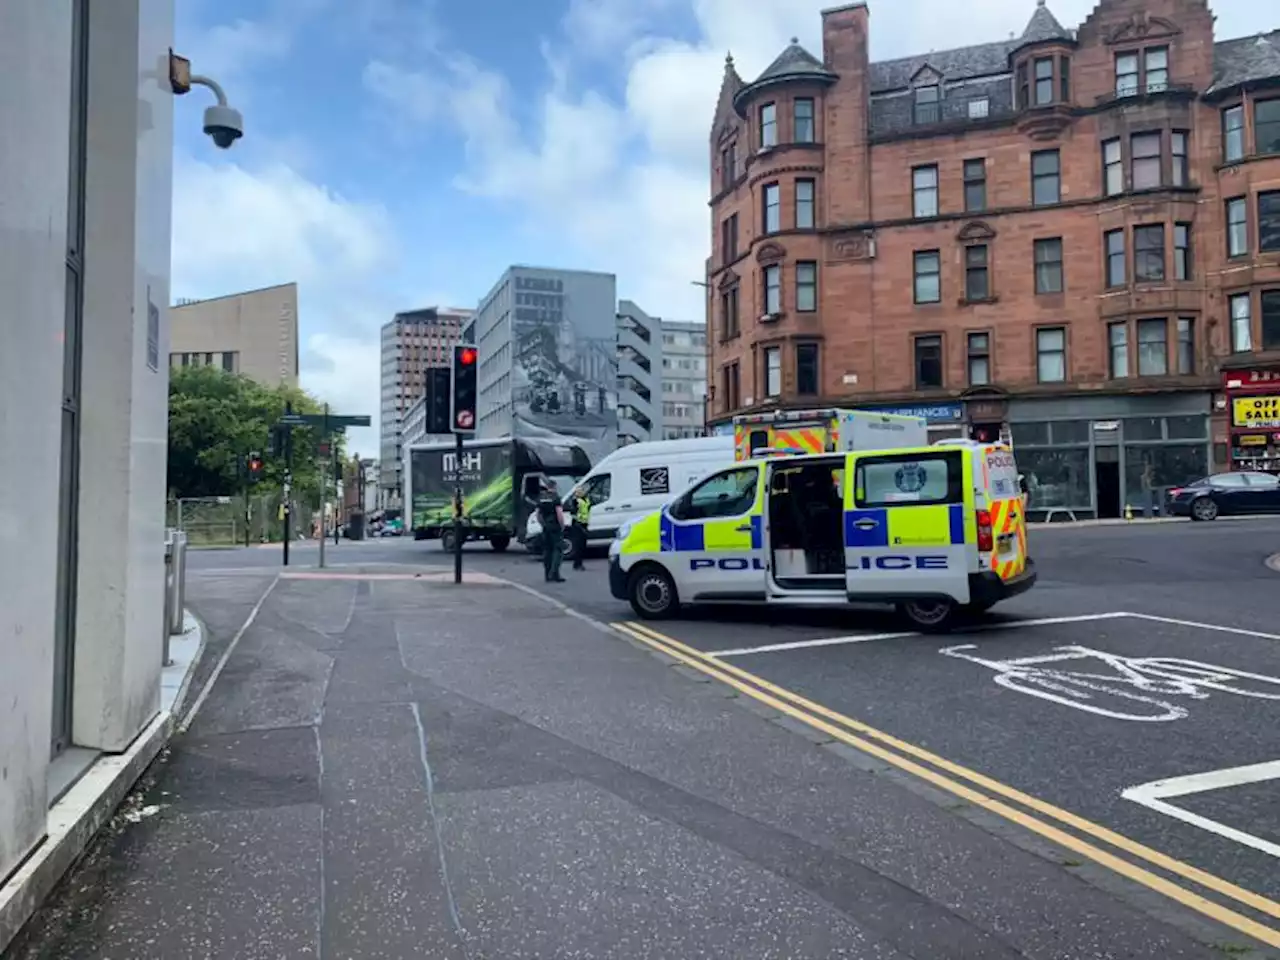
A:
1071,238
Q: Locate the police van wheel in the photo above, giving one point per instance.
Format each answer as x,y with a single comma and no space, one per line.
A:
652,593
930,616
567,548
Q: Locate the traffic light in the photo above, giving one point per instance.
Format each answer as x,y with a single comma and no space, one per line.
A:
462,408
254,463
439,380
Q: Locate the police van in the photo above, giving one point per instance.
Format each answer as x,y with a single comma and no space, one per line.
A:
938,531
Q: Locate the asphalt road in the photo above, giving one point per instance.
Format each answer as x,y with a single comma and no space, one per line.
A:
1146,654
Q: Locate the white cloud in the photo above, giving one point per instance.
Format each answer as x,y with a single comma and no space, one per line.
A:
626,179
239,229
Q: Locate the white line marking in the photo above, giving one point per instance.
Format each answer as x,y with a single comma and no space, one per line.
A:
222,660
866,638
1239,631
1153,794
805,644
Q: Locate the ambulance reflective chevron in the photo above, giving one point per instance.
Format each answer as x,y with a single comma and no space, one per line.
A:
825,430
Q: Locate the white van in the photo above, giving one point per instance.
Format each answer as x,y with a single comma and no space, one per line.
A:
638,479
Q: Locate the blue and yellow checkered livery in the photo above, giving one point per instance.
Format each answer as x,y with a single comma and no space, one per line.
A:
928,526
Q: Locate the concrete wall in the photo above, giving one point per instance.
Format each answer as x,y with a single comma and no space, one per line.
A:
259,325
124,384
35,67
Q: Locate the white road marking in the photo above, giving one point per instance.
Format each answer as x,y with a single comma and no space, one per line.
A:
804,644
222,660
1239,631
1153,795
867,638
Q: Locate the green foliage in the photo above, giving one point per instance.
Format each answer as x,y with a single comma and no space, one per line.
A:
216,418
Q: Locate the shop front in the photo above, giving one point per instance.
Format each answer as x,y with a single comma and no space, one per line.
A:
1091,457
1253,419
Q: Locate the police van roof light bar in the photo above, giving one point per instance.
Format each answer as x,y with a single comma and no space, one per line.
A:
779,452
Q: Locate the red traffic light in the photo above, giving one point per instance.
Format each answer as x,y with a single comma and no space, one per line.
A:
467,356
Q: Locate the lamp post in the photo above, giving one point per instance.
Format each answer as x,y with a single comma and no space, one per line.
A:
706,386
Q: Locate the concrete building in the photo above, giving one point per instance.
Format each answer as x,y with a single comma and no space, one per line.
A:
414,426
412,342
254,333
639,375
684,378
1068,237
84,399
548,343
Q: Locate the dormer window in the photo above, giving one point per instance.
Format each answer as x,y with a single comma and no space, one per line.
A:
928,106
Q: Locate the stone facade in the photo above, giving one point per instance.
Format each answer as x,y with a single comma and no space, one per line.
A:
934,229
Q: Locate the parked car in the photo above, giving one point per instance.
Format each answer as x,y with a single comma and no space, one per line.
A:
1225,495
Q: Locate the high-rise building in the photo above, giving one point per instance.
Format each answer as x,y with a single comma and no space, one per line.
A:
1068,237
412,342
548,343
254,333
639,375
684,378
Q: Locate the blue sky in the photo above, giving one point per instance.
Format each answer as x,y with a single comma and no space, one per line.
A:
402,153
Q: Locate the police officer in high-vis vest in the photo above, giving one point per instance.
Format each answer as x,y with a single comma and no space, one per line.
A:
580,511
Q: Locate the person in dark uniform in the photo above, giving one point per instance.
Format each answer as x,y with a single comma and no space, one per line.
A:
551,516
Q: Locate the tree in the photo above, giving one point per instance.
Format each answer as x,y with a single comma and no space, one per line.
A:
217,418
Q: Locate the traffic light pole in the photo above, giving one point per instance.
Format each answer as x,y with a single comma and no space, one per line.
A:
288,483
457,509
324,487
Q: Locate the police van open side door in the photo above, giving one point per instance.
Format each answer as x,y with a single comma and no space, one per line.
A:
716,534
906,524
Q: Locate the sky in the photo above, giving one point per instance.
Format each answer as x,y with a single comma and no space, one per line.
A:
402,153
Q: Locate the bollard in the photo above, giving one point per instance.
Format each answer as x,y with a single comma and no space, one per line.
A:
177,613
168,595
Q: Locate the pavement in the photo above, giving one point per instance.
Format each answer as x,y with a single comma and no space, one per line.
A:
384,764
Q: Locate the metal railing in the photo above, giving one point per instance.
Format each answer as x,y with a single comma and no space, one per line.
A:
175,582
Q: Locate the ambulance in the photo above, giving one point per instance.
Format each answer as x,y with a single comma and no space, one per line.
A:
937,531
825,430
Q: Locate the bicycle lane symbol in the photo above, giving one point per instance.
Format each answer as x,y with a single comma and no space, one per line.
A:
1143,689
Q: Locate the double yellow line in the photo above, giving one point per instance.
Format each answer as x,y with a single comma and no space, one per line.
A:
982,791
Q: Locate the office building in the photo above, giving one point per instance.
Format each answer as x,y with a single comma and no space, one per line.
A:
253,333
412,342
684,378
548,344
1068,238
639,375
84,403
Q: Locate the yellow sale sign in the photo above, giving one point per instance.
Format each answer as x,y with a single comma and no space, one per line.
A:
1260,412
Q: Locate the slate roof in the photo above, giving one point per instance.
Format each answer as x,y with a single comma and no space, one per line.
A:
1044,26
985,70
794,63
963,63
1245,60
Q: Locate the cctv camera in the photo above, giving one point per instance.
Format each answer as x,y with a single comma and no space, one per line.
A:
224,125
